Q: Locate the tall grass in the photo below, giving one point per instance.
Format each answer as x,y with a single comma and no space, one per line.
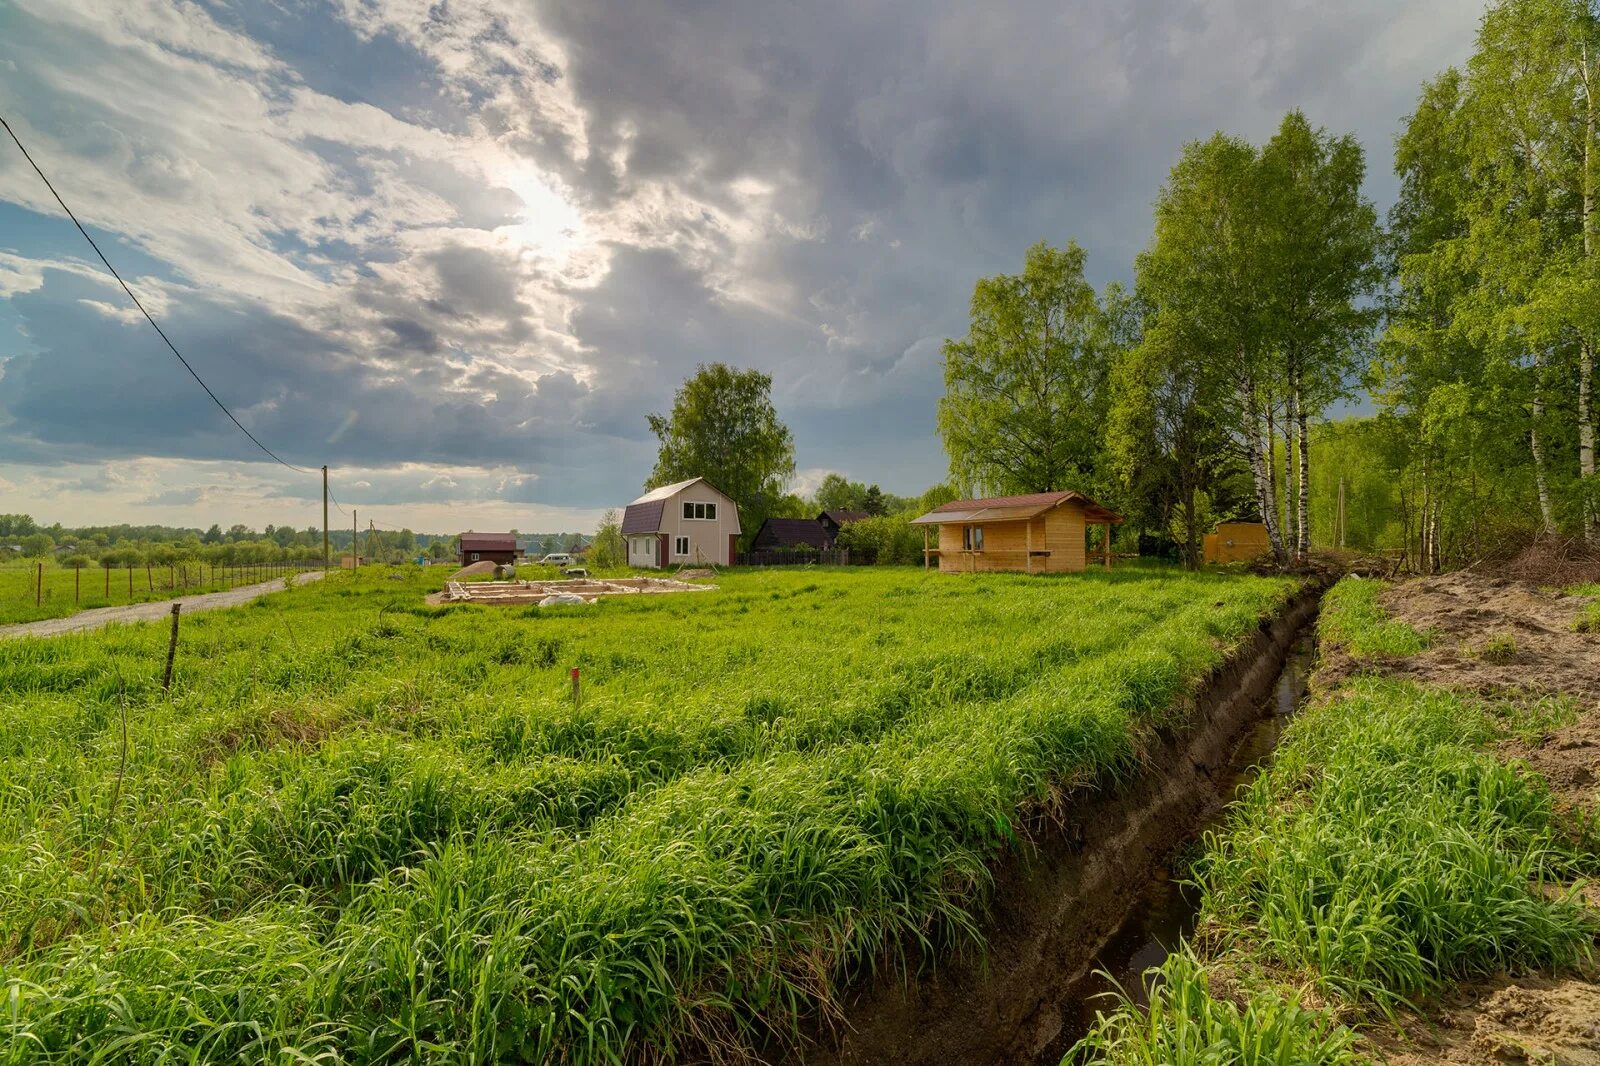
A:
366,830
1185,1025
1385,855
1353,619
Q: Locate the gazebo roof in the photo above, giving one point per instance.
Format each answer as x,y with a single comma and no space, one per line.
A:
1014,509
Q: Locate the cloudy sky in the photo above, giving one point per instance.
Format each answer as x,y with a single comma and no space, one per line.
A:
457,249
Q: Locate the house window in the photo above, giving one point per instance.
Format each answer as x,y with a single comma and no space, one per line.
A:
704,511
972,538
474,556
681,546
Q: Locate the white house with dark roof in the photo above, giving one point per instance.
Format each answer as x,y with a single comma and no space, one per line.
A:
687,524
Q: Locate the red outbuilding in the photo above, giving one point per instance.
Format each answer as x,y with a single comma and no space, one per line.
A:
489,547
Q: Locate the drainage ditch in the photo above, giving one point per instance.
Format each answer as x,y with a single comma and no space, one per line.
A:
1166,911
1098,892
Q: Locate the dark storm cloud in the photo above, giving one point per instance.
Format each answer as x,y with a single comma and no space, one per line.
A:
810,189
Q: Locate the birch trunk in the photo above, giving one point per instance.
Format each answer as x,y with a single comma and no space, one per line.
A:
1261,471
1586,419
1591,520
1289,517
1547,514
1304,485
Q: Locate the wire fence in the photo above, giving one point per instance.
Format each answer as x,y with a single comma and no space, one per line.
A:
53,587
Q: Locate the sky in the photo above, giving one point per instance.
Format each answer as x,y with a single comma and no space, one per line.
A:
458,250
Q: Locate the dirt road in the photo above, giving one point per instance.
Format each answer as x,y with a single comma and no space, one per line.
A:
150,612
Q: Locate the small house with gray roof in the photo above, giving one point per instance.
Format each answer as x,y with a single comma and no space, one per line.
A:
691,523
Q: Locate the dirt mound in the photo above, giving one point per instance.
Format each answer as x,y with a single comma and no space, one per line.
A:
474,570
1554,561
1493,636
1531,1019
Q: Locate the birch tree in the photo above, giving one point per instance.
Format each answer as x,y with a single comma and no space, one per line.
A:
1318,251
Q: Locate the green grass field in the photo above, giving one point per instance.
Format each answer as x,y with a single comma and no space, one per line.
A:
65,592
366,830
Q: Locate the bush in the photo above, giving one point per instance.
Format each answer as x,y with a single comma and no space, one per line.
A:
886,540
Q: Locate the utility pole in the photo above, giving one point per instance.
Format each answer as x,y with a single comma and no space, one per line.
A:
324,520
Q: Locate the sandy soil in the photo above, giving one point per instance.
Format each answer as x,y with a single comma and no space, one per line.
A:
1527,1019
1496,637
484,567
1506,638
150,612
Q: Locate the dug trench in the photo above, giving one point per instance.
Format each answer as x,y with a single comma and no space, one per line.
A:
1087,886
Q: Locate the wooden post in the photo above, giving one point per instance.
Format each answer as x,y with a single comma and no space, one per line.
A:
108,584
355,557
172,648
149,582
1027,565
324,519
38,587
577,695
1106,547
926,558
130,582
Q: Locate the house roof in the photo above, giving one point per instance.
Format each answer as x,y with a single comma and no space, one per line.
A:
793,532
488,542
1014,508
644,515
839,518
666,492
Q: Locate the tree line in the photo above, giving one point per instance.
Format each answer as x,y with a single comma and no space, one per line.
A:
1269,291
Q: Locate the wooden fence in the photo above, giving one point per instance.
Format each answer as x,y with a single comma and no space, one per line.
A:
779,557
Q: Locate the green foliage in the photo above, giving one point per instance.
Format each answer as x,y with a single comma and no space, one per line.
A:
1386,856
1488,362
1025,389
887,540
37,545
723,428
609,549
1353,619
367,827
837,493
1185,1025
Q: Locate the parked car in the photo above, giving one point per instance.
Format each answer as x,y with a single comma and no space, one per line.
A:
557,559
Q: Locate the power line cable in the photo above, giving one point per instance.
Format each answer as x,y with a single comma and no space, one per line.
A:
224,407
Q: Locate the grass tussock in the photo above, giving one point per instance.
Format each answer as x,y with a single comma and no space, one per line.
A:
365,830
1588,620
1353,619
1185,1025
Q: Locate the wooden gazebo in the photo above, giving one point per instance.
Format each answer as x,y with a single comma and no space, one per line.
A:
1042,532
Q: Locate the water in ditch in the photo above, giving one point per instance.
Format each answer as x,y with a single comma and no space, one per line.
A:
1168,908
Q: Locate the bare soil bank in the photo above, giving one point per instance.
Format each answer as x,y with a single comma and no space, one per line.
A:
1054,907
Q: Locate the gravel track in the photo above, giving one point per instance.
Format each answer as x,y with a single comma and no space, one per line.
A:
99,617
